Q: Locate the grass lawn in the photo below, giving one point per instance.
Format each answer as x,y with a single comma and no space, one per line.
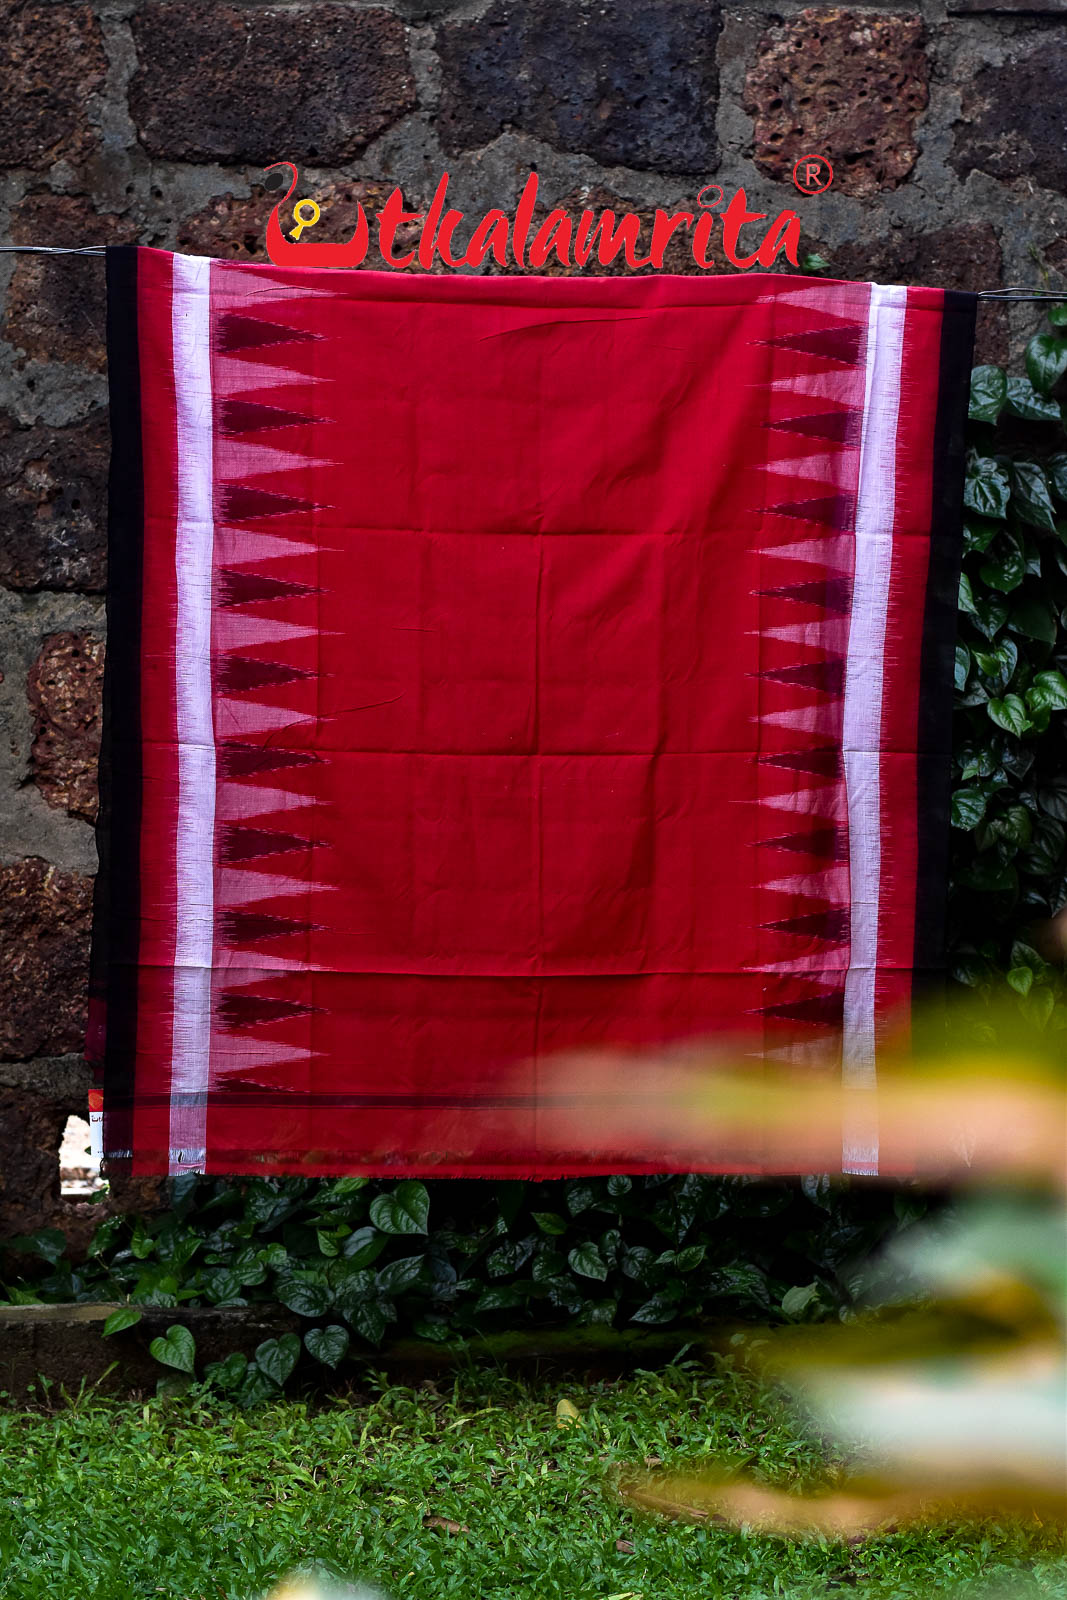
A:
125,1500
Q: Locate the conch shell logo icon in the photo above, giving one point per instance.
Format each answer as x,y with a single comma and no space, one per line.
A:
287,252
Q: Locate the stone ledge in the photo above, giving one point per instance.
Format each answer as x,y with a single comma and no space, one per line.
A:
64,1344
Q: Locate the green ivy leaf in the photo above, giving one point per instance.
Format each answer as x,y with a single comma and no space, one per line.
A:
586,1260
1056,470
105,1235
989,875
637,1262
970,970
990,613
328,1345
432,1328
277,1357
369,1320
1046,854
354,1288
999,664
125,1317
580,1196
659,1309
1046,361
963,667
1047,691
547,1264
1021,979
987,489
1013,824
48,1243
509,1258
1041,1003
1006,568
501,1297
304,1294
968,808
1024,955
256,1388
550,1222
1010,714
1034,619
248,1269
1024,401
142,1244
341,1189
405,1210
1031,496
619,1185
155,1287
1053,799
562,1293
227,1374
397,1276
979,533
1057,315
689,1259
364,1246
989,388
222,1286
799,1299
177,1348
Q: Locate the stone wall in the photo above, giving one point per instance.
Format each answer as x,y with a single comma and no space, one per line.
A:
944,119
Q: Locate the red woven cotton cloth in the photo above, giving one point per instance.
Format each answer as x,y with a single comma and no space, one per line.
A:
506,667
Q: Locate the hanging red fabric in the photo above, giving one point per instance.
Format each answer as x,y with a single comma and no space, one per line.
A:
507,666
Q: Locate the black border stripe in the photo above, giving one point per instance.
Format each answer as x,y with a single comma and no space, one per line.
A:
934,765
117,905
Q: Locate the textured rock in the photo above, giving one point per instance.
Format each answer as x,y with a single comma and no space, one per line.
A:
45,919
962,8
31,1129
966,256
53,506
423,10
1055,254
56,306
51,59
628,84
228,227
846,85
223,83
65,687
31,1132
1014,118
236,228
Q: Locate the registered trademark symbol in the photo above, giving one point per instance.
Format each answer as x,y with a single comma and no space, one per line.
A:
813,174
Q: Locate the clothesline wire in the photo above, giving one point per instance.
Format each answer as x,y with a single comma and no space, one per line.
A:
1013,293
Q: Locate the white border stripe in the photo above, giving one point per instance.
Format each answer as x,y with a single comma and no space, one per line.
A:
863,711
194,845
